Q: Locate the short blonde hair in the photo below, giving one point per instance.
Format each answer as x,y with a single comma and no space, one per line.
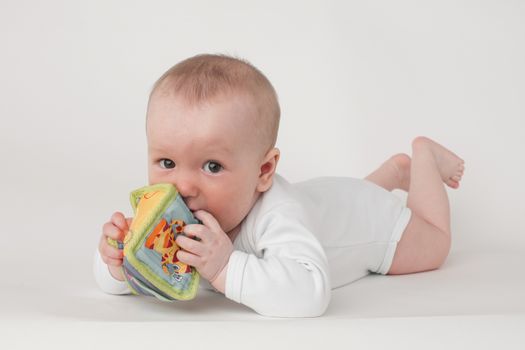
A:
203,77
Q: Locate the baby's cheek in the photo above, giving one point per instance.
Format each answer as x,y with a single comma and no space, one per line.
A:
238,213
232,205
228,218
154,177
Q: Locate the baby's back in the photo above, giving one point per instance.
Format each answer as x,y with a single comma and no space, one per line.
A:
356,221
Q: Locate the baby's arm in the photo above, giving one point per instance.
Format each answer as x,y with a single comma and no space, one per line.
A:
108,260
287,275
284,273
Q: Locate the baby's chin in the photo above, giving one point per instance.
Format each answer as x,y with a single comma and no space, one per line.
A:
230,227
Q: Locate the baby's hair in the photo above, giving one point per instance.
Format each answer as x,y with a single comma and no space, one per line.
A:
203,77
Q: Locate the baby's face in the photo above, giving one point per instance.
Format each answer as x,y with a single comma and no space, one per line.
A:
208,152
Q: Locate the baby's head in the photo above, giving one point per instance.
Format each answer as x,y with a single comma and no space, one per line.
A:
211,126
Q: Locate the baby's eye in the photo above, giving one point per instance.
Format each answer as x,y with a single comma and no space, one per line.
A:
212,167
167,163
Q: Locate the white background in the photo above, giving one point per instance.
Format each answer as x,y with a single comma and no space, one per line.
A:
357,81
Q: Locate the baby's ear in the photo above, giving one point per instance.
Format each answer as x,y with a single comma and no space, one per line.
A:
267,169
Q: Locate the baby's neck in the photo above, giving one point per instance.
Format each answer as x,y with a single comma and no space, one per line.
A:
233,233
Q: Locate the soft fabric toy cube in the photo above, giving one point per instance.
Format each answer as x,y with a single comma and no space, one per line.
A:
150,263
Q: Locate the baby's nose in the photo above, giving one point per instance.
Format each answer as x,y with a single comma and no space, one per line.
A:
187,188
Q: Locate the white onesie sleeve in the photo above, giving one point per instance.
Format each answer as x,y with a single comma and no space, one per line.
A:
105,280
280,268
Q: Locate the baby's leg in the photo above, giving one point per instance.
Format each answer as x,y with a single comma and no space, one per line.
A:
426,240
393,174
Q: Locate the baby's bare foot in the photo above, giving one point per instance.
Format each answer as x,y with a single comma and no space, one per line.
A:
401,165
451,167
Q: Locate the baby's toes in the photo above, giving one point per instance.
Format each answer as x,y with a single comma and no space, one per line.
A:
460,170
452,183
456,178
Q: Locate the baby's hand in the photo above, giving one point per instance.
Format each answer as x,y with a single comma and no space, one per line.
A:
209,255
116,229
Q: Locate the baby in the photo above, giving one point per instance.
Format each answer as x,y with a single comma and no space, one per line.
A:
276,247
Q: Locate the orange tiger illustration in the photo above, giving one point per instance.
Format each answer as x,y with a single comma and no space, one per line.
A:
162,240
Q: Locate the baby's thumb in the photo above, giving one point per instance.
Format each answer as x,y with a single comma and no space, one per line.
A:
119,220
128,221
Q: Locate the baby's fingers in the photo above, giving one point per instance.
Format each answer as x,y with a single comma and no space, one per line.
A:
109,252
120,221
112,262
112,231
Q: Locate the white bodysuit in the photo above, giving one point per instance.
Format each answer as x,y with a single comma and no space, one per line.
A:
301,240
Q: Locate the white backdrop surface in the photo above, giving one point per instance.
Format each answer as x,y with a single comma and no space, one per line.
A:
357,82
